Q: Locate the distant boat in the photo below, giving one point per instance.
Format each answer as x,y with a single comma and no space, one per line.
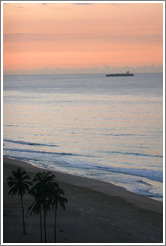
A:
119,74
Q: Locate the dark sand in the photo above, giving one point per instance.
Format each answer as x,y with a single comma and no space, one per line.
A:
97,212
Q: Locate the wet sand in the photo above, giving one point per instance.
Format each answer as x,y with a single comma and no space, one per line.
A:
97,212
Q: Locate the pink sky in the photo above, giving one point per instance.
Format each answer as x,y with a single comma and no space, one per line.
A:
73,37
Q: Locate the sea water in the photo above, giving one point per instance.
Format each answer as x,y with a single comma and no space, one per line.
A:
104,128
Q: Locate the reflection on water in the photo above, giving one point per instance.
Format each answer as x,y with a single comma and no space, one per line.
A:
100,124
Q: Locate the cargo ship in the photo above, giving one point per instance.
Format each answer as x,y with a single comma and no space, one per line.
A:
119,74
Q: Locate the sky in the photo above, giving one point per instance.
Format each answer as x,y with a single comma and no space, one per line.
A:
82,38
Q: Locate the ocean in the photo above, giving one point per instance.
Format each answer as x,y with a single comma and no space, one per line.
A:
90,125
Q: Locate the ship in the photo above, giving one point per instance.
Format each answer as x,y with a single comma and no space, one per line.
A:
119,74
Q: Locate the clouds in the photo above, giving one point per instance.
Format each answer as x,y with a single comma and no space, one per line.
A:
42,37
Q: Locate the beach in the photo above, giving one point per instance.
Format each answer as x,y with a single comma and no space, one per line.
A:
97,212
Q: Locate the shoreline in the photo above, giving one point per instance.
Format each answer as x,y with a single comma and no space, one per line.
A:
96,185
93,207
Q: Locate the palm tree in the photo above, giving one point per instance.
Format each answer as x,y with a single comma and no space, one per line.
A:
36,207
43,188
56,200
19,183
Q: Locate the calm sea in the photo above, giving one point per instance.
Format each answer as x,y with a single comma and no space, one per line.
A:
104,128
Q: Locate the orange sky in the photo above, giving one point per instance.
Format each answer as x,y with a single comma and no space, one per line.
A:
54,37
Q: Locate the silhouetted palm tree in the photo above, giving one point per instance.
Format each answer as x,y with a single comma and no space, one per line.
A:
19,183
57,198
36,207
43,187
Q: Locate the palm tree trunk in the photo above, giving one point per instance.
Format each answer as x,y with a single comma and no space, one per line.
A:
23,221
41,230
55,216
45,232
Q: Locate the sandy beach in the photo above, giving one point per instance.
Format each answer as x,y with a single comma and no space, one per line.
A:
97,212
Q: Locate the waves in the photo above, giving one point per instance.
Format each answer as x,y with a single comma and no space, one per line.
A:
80,162
53,145
145,173
117,165
41,152
133,154
30,143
